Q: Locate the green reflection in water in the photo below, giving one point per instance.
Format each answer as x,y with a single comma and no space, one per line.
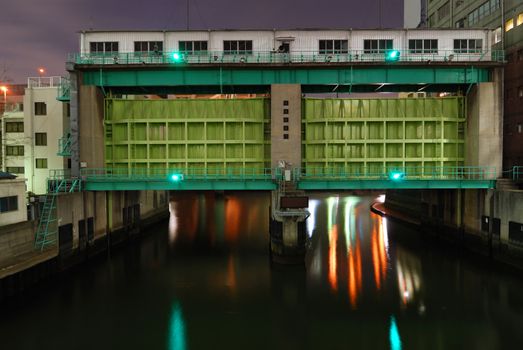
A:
394,335
177,329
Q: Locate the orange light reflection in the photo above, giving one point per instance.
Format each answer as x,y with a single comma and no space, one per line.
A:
333,279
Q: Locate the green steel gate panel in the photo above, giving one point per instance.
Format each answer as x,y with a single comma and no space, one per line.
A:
362,135
203,133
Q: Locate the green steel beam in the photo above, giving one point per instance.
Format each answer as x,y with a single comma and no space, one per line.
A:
187,77
189,185
221,185
391,184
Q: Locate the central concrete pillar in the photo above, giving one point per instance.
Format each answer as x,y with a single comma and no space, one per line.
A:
484,133
288,205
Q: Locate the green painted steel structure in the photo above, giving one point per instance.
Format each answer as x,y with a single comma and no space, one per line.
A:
343,78
357,134
212,134
106,179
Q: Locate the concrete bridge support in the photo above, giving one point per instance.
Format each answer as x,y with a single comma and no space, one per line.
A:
288,206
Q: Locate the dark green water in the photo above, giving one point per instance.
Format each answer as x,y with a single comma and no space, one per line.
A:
203,280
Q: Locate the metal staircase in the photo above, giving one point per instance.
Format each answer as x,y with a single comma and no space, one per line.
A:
64,145
47,231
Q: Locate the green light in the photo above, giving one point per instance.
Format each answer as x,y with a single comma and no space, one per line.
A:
176,177
396,175
177,57
392,56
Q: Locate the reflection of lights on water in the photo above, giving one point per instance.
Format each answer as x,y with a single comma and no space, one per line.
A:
173,223
177,329
394,335
333,278
380,198
379,251
408,273
385,235
350,219
311,221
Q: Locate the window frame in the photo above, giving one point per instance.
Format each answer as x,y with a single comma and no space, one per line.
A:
40,139
423,46
40,108
148,46
14,150
234,47
14,127
377,46
9,203
333,46
41,163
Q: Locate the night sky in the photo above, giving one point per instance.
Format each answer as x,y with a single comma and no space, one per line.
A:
36,33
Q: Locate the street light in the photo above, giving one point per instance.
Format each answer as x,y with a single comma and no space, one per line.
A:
4,90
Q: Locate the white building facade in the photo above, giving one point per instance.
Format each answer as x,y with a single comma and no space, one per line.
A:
45,122
12,200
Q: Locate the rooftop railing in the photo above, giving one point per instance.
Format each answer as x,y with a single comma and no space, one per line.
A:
272,57
45,82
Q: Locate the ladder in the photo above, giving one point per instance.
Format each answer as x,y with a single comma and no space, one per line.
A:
47,231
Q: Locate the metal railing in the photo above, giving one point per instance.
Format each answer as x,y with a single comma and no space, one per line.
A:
253,57
397,173
298,174
517,173
64,145
165,174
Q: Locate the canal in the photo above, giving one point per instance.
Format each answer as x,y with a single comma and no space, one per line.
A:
203,280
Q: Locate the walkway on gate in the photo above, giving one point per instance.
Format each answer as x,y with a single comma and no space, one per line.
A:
121,179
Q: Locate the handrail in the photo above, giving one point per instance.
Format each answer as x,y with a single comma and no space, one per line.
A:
299,174
257,57
397,173
517,173
190,173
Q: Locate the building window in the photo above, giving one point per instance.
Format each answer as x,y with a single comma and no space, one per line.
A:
8,204
15,169
497,35
509,24
41,163
14,150
285,136
40,139
285,102
460,23
519,129
285,128
377,46
286,120
40,108
148,46
103,46
468,45
333,46
519,20
14,126
193,47
484,10
520,92
444,11
237,47
285,111
423,46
